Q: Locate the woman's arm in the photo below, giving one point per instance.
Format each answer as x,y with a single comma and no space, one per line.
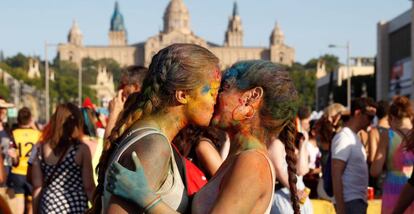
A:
209,157
380,156
37,182
373,141
277,155
115,108
2,170
87,171
154,154
134,187
302,164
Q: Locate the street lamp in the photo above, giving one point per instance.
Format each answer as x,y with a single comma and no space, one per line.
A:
47,76
80,83
348,70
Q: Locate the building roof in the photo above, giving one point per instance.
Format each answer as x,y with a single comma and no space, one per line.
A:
117,20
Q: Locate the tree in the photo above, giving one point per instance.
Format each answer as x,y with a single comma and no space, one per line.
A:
4,91
65,87
305,82
18,61
1,56
331,62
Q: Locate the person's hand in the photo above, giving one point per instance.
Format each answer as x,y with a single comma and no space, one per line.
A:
12,153
130,185
302,195
117,103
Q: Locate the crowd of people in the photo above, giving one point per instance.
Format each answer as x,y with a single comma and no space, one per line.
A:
184,137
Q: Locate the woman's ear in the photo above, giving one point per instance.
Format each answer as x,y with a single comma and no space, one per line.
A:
249,102
182,96
252,96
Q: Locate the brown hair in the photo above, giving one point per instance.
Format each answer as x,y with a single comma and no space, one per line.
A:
400,108
133,74
24,116
59,132
176,67
278,110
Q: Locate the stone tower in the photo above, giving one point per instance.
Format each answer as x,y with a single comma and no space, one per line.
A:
277,37
117,31
75,35
176,18
104,84
234,33
33,71
279,51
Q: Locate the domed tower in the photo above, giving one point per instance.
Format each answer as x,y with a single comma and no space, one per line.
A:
277,37
176,17
117,31
234,33
75,35
279,51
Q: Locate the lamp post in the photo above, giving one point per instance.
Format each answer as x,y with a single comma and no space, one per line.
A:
348,70
47,76
80,84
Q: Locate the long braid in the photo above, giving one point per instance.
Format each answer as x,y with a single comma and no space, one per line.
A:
287,136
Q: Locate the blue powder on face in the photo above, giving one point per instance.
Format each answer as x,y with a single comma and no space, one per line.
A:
205,89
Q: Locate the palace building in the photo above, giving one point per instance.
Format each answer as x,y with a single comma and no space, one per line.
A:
176,29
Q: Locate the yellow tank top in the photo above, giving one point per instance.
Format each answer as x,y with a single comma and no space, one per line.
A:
25,139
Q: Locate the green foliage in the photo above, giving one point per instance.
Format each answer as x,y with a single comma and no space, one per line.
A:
4,91
18,61
305,82
65,87
112,67
331,62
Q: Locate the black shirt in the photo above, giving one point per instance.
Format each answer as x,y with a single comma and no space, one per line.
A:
411,180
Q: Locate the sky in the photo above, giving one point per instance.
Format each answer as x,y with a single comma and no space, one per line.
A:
309,25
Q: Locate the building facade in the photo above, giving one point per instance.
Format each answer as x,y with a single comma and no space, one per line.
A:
331,86
176,29
394,57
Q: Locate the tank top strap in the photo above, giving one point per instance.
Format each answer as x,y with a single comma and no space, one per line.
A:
272,168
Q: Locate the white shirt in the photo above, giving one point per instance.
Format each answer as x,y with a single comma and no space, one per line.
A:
347,146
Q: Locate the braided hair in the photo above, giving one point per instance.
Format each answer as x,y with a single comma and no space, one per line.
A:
176,67
278,111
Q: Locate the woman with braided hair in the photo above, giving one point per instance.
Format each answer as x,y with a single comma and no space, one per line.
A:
180,89
256,105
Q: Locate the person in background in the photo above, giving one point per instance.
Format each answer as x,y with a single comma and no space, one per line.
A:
311,179
406,196
327,126
392,153
349,160
202,146
303,119
130,83
281,201
373,140
8,151
93,136
62,169
25,138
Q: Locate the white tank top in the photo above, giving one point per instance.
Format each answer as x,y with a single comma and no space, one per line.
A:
173,191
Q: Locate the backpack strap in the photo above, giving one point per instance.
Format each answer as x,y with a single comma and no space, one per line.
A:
179,159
